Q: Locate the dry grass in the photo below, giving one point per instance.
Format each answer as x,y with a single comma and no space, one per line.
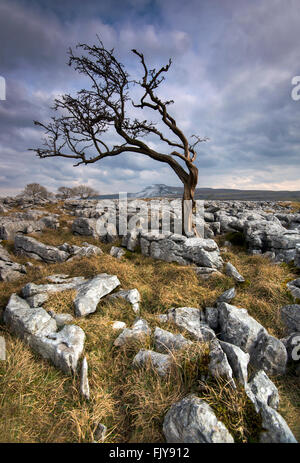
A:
40,404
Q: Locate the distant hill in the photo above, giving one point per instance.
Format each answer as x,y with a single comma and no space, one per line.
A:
161,190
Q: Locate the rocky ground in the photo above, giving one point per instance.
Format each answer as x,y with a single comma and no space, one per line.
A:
148,336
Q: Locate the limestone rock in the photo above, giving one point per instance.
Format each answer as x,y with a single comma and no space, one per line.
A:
84,381
160,362
30,247
238,327
231,271
192,421
290,315
89,294
117,252
63,348
238,360
2,348
218,364
227,296
139,330
190,319
132,296
261,390
277,430
166,341
269,354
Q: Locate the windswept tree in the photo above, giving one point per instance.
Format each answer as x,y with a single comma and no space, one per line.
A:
35,190
65,192
84,191
81,128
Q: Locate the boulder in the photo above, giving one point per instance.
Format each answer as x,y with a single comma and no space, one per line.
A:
192,421
238,327
161,363
212,317
269,354
90,293
117,325
25,321
166,341
9,227
290,315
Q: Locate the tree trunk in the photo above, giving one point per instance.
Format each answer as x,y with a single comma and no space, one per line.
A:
188,202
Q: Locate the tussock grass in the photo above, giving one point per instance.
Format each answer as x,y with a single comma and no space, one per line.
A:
40,404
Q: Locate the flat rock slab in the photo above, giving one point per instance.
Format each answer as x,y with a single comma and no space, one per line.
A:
30,247
89,294
63,348
178,248
192,421
38,329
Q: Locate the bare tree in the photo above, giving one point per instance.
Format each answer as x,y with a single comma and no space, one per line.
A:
65,192
36,190
86,118
84,191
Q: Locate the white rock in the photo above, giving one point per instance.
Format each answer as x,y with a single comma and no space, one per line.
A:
166,341
192,421
90,293
160,362
84,381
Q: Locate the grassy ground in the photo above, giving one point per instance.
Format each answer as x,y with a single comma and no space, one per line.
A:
40,404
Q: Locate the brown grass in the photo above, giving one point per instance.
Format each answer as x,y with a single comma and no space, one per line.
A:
40,404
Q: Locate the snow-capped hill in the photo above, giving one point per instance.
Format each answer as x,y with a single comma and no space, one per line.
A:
153,191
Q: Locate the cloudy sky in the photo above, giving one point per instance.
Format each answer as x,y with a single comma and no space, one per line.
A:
233,63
